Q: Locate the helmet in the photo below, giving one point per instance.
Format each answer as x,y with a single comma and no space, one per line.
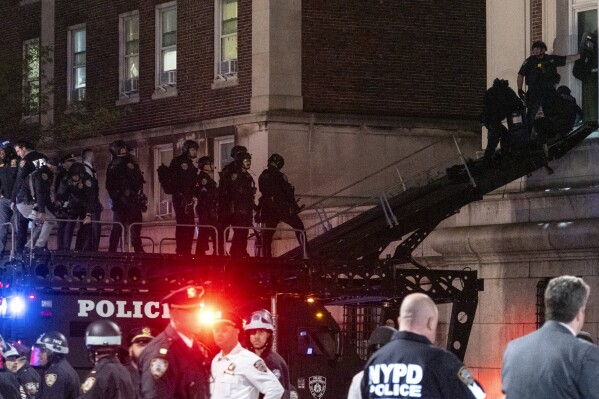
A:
205,160
10,351
260,319
237,149
102,333
77,169
54,342
241,156
117,146
4,144
539,44
277,160
189,144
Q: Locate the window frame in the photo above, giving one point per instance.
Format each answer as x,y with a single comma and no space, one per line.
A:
27,79
132,96
163,90
70,62
158,150
218,161
223,79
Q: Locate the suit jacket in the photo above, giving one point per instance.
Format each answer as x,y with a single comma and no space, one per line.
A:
550,363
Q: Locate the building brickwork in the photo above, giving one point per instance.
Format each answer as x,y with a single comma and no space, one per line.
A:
536,20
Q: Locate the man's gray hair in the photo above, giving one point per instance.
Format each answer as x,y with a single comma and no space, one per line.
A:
564,297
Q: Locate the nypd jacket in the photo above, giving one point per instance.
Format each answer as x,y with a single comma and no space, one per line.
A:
8,176
108,380
241,374
277,365
29,381
31,161
410,366
59,380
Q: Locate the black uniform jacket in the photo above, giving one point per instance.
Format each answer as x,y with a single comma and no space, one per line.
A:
410,366
31,161
277,365
170,369
109,379
124,181
29,381
59,381
8,176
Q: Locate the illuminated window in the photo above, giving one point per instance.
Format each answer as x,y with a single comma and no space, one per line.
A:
31,77
222,152
129,54
76,63
166,36
226,54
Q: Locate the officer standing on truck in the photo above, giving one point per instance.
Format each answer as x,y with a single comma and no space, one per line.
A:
184,171
237,372
206,193
59,379
225,198
419,369
124,183
259,335
277,203
63,208
175,365
9,165
109,379
18,364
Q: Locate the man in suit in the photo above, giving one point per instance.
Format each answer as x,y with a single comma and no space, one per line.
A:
551,362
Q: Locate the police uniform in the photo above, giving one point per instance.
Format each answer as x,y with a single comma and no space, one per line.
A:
277,204
29,381
184,175
59,381
135,379
108,380
169,367
242,191
124,183
137,335
9,386
8,176
278,366
83,197
225,198
206,209
410,366
241,374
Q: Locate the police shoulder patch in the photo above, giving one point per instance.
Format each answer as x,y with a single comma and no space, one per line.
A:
44,176
158,367
80,186
88,384
184,166
22,163
88,183
234,176
32,388
465,376
13,163
261,366
277,373
204,182
50,379
130,165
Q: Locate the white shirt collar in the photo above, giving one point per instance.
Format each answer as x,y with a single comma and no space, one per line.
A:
233,352
568,327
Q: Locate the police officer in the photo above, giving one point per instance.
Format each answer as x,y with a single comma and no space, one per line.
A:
108,379
59,379
18,364
277,203
242,190
225,197
540,73
8,175
36,202
124,182
419,369
206,193
137,340
63,208
259,335
175,365
184,171
237,372
9,385
29,160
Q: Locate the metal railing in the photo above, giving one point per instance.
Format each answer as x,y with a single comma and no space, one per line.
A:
11,256
259,229
167,224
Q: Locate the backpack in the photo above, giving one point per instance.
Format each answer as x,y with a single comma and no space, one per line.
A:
166,179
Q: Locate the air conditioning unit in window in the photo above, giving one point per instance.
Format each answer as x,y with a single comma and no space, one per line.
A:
228,67
168,78
165,208
131,86
79,94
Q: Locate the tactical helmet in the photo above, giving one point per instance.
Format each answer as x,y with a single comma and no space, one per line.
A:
241,156
205,160
54,342
102,333
10,351
237,149
277,160
539,44
189,144
116,147
260,319
4,144
564,90
77,169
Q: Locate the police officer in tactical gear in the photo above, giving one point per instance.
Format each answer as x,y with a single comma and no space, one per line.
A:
277,203
63,209
124,182
109,379
259,335
16,359
184,171
225,205
9,164
242,190
419,369
174,364
206,193
59,379
539,71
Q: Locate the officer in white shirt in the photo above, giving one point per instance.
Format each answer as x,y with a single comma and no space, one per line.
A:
238,373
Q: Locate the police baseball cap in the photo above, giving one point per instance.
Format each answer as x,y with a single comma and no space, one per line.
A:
68,158
229,318
141,334
188,297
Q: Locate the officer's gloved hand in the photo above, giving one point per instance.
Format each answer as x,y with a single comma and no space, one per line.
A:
522,94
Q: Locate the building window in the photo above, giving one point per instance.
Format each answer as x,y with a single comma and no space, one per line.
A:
166,36
587,22
129,54
163,154
76,63
31,77
226,25
222,153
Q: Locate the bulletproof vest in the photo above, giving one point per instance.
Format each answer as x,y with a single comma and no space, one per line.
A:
543,72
